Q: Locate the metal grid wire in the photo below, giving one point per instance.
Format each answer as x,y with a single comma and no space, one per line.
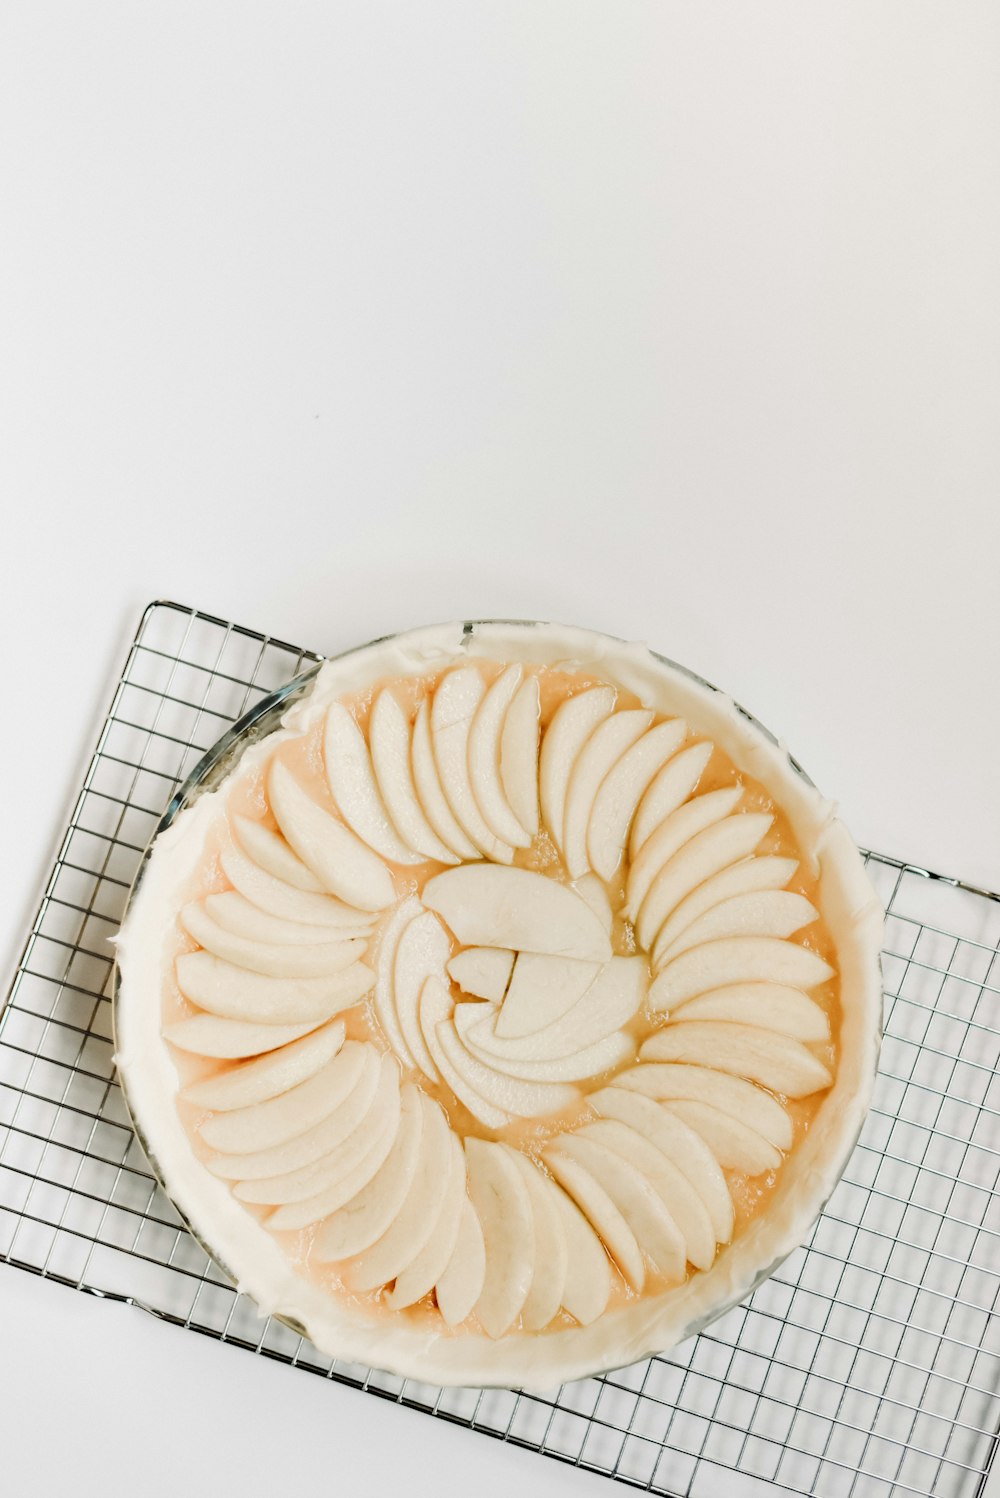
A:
868,1365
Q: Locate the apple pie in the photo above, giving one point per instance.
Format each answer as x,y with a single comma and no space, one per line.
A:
507,1012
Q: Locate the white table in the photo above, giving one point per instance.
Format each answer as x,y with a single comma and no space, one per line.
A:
680,322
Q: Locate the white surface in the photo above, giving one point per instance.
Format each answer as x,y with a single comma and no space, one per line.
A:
677,321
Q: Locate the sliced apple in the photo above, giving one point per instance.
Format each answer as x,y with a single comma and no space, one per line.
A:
769,1006
773,912
484,760
621,791
604,1055
453,709
270,959
302,1214
272,1122
385,983
344,864
598,757
541,990
653,1226
422,1273
235,912
276,898
680,1144
588,1271
670,1081
351,1089
733,1143
600,1211
548,1279
363,1219
352,784
389,743
613,998
233,993
506,1094
490,906
412,1227
421,953
519,755
270,852
592,889
436,1008
229,1039
268,1076
331,1169
737,959
701,856
775,1061
668,790
670,836
750,874
482,971
572,724
432,798
461,1284
679,1197
502,1204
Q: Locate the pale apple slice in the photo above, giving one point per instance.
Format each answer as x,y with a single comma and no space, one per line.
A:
613,998
302,1214
414,1222
600,1211
268,1076
737,959
775,1061
482,971
363,1219
453,709
733,1143
267,1124
652,1224
668,790
670,836
671,1081
703,855
588,1270
352,784
679,1197
461,1284
592,889
422,1273
766,872
385,982
331,1169
432,798
436,1008
773,912
230,1039
604,1055
598,757
389,743
542,989
621,791
421,953
270,852
502,1204
491,906
507,1094
276,898
235,912
572,724
233,993
519,755
769,1006
350,1096
346,866
484,760
548,1279
269,959
680,1144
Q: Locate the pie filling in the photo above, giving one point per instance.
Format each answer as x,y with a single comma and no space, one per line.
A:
499,999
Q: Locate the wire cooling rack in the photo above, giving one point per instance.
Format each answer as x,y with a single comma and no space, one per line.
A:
868,1365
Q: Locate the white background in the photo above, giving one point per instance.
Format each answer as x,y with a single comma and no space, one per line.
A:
680,321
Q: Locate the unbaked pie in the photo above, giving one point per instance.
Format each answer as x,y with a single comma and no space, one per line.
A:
506,1013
